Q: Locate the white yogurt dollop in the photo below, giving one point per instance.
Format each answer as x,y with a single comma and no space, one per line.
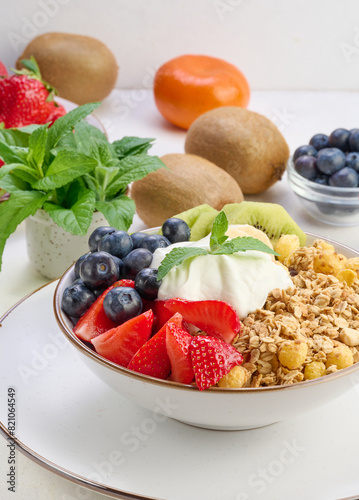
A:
243,279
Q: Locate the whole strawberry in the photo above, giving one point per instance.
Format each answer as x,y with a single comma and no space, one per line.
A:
25,99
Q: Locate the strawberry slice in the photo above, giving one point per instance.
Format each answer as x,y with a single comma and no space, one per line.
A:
212,359
152,359
121,343
95,321
178,342
215,317
162,314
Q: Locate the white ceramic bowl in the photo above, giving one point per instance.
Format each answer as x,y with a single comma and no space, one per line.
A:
215,408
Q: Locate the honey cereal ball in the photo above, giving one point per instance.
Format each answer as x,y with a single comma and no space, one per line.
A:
236,378
315,369
292,354
341,356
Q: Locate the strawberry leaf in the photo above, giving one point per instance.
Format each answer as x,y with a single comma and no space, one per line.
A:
176,257
119,211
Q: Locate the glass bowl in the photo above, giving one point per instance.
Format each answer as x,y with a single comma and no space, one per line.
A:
332,205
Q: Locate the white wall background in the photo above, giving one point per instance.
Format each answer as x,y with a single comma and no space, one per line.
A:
278,44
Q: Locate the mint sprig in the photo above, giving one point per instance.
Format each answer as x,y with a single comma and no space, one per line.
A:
218,246
70,170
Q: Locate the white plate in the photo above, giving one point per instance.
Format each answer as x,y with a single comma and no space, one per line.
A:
71,423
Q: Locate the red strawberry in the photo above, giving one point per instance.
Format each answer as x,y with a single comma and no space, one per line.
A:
178,342
3,70
25,99
212,359
121,343
162,314
152,359
95,321
214,317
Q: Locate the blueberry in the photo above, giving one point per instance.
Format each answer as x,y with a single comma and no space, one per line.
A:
176,230
146,283
78,264
330,160
339,138
76,299
99,270
319,141
345,177
135,261
306,166
354,140
122,303
119,263
137,238
322,179
97,234
304,150
352,160
118,243
154,241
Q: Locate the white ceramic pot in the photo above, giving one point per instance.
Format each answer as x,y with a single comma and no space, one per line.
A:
50,248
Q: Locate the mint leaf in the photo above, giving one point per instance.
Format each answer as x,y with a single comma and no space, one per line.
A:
11,183
176,257
134,168
220,226
37,145
130,146
12,154
16,137
242,244
66,166
77,219
83,139
105,180
66,123
16,209
119,211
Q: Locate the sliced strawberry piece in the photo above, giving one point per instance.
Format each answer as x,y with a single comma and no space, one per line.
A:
121,343
178,342
215,317
162,314
152,359
95,321
212,359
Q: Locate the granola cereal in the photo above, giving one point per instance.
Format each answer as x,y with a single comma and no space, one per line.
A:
308,330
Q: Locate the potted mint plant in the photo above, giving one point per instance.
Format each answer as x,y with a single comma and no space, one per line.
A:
65,180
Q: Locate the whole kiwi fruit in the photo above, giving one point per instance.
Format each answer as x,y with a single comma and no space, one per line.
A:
245,144
187,181
81,68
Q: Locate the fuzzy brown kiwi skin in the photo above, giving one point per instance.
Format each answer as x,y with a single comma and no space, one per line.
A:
245,144
82,69
188,181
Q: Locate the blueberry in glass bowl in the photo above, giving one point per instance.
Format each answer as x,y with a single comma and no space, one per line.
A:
327,180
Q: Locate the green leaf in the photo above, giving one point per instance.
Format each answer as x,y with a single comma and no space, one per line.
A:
219,228
242,244
16,209
134,168
119,211
66,166
16,137
130,146
11,183
37,146
83,138
66,123
12,154
105,178
77,219
25,172
176,257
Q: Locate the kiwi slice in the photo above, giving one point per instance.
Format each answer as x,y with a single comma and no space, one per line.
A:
270,218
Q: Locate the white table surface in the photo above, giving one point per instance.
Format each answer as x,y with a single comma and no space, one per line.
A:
299,115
